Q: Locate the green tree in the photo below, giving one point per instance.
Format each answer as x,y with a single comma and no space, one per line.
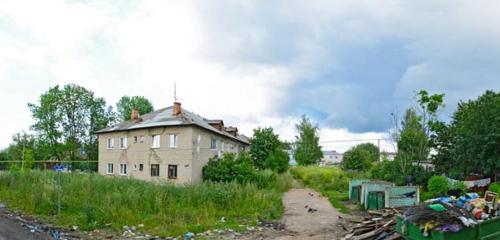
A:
66,120
413,143
266,150
360,157
126,104
308,151
475,135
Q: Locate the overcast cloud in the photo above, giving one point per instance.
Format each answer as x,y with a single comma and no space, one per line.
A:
346,64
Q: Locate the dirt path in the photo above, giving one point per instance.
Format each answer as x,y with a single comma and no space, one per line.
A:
301,221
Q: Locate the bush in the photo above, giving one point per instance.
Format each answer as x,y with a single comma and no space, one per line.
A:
277,161
495,187
229,168
438,185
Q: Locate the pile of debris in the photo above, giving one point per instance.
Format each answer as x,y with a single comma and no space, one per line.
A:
378,225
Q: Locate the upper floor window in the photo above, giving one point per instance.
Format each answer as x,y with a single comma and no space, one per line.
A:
172,140
123,142
141,139
213,143
156,141
110,143
198,143
123,169
135,139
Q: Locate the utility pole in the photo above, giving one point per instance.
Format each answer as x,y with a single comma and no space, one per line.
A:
379,153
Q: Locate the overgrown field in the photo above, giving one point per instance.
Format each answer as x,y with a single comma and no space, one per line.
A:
91,201
332,182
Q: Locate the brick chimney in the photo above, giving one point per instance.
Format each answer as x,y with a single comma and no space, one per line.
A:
176,110
134,116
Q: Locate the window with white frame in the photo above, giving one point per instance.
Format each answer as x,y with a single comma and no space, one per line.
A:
155,141
223,148
123,169
110,143
213,144
110,168
199,143
172,140
141,139
123,142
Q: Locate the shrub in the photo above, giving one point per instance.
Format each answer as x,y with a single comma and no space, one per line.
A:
277,161
438,185
229,168
495,187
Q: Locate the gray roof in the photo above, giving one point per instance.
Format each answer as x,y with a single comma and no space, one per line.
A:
332,152
164,117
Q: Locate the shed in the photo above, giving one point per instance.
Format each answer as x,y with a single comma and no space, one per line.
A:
355,189
403,196
373,194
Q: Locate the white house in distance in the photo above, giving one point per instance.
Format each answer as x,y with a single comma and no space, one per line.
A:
331,158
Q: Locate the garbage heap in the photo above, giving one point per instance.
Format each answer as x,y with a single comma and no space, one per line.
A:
451,214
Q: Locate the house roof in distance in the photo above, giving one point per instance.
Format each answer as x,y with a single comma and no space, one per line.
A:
164,117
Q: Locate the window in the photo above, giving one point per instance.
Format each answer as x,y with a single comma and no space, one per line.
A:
213,143
172,171
110,168
141,167
135,167
135,139
110,143
156,141
223,148
198,145
123,169
155,170
141,139
123,142
172,140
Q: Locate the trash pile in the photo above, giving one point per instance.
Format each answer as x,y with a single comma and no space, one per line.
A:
451,214
378,225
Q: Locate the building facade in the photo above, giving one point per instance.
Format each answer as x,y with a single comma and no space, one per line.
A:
331,158
169,144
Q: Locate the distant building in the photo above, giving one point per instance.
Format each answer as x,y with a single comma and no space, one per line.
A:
331,158
389,155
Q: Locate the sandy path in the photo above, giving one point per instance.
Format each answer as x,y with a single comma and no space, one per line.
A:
299,223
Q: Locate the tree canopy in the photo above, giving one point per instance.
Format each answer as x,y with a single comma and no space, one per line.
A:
471,142
125,105
308,151
66,120
267,151
360,157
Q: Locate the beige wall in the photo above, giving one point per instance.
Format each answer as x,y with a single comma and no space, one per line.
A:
189,156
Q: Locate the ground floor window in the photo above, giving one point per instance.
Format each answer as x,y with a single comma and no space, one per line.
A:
123,168
172,171
155,170
141,167
110,168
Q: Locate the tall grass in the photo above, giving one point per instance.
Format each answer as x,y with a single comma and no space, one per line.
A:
91,201
332,182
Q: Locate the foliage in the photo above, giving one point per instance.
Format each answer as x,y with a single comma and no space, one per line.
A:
388,171
91,201
474,137
266,150
125,105
360,157
308,151
438,185
66,120
230,167
277,161
495,187
413,143
459,185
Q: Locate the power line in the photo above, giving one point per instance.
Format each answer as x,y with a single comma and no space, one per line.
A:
357,140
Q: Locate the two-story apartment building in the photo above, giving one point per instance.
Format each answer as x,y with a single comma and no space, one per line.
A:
170,143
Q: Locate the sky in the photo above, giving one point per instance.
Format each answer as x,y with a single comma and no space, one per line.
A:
347,65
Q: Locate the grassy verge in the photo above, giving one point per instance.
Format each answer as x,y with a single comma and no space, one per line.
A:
332,182
91,201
